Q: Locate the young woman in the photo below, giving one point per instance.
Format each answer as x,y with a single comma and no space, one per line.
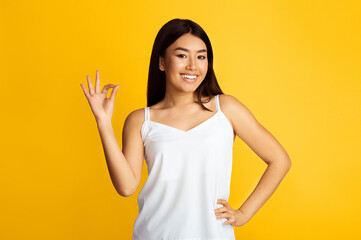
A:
186,136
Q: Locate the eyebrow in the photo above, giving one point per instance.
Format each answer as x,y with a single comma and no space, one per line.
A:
184,49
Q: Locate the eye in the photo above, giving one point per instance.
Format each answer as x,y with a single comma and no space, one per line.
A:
181,56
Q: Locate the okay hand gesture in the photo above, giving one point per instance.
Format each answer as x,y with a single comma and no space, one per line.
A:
101,106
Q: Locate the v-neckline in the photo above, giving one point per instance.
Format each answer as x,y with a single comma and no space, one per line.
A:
187,131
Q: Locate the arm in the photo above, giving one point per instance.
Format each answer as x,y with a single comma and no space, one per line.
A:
123,165
267,185
265,146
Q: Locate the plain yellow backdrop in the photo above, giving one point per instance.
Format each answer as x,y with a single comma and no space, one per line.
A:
294,64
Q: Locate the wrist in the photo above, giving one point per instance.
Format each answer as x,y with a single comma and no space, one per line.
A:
103,121
247,214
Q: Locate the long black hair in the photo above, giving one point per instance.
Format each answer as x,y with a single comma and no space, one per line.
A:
168,34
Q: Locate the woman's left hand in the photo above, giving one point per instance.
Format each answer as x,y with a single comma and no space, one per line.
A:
235,217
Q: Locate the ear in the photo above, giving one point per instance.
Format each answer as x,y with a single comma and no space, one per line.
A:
161,63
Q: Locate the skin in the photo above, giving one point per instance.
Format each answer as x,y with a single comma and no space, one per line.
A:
178,106
179,110
179,93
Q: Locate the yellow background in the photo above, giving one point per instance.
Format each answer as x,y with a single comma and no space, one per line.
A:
294,64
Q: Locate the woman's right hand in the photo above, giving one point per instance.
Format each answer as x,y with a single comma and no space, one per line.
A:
101,106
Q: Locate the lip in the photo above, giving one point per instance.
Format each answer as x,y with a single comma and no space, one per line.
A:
189,80
189,74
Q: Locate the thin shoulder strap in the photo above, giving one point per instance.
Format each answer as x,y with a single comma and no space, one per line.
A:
217,103
146,114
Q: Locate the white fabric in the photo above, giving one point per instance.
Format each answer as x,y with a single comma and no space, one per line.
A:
187,172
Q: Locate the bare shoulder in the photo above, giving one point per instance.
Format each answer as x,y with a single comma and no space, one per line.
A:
135,119
257,137
228,101
136,115
233,108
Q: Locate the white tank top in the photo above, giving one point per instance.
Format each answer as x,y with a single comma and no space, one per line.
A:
187,172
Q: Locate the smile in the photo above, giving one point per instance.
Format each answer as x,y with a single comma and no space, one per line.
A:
189,78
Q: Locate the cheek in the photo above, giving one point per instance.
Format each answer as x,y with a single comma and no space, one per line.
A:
205,67
176,64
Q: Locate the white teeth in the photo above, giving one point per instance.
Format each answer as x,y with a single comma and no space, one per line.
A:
188,76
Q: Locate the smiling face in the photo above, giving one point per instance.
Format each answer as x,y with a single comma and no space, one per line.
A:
185,63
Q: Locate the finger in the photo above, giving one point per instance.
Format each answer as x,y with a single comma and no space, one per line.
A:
222,215
85,91
222,201
228,222
219,210
106,88
97,82
114,92
90,86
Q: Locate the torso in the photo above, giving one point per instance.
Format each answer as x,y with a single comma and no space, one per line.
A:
189,162
188,117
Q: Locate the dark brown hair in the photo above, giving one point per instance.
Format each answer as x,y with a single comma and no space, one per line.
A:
168,34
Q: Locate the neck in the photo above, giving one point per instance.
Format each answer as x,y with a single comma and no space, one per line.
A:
179,99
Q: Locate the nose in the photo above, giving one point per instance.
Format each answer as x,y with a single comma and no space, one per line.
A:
191,64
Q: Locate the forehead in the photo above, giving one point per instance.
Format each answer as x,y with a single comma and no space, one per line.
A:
190,42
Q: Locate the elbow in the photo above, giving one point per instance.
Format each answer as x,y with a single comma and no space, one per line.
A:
288,164
128,190
129,194
126,193
284,163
